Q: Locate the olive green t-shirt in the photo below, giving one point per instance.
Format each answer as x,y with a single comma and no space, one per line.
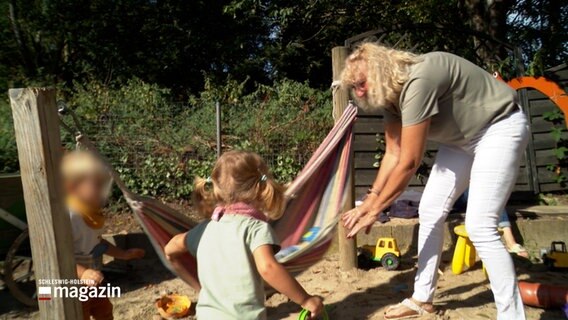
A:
231,285
458,96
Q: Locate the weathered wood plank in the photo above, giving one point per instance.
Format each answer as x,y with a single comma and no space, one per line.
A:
369,126
546,176
541,106
368,113
535,94
365,177
10,190
360,191
545,157
365,142
347,247
550,187
39,149
522,177
365,160
539,125
368,143
522,187
559,74
544,140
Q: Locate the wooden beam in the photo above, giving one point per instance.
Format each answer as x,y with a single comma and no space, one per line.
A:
347,247
39,149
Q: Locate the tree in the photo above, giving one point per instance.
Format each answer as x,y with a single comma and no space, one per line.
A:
177,43
171,42
490,18
540,28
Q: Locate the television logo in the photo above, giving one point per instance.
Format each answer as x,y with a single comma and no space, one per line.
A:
82,293
44,293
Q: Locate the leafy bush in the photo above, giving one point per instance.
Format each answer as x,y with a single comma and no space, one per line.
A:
8,150
158,147
284,123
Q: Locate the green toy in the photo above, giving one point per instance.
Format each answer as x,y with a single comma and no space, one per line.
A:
305,315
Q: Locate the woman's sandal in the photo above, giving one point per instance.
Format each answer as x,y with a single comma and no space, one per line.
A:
412,311
519,250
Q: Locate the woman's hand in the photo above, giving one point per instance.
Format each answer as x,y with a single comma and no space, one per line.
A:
366,222
359,217
351,217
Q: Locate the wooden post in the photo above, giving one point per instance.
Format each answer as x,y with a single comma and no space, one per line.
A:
347,247
36,124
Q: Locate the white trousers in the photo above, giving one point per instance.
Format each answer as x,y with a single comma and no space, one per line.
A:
488,164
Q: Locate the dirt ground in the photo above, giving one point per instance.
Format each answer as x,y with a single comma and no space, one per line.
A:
350,295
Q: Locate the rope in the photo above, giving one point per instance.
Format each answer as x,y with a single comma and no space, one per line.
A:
338,108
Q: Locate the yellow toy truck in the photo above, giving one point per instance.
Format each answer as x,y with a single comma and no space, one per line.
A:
384,252
557,257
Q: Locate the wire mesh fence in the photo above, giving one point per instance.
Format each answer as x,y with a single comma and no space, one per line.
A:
159,146
161,156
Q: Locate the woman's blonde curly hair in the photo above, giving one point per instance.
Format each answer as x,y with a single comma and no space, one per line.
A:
387,70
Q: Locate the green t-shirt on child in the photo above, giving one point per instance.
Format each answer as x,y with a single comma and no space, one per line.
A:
231,285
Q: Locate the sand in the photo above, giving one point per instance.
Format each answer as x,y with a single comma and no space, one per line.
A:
356,294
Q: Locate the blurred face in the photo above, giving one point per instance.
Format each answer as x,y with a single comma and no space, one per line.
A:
360,87
90,190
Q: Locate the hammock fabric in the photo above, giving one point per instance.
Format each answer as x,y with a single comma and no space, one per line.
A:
315,200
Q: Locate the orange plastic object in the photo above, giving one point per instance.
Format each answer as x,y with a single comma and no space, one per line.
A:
542,295
173,306
542,84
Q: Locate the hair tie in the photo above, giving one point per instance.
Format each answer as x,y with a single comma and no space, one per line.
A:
263,178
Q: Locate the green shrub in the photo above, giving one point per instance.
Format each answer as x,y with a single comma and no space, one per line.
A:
8,150
158,147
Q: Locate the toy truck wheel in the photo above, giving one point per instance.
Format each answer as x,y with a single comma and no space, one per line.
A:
390,261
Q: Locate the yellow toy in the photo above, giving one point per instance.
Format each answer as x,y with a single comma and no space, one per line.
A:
385,251
464,254
558,256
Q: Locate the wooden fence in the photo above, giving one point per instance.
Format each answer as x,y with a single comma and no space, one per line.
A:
534,174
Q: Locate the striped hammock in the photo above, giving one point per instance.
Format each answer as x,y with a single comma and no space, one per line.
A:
315,200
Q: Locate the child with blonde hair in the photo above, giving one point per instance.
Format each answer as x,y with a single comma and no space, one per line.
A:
87,184
235,248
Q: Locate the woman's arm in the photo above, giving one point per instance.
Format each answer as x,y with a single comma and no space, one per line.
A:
277,277
391,156
173,251
413,143
389,162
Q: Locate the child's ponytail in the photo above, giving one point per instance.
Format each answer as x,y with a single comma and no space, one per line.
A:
272,197
240,176
202,196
